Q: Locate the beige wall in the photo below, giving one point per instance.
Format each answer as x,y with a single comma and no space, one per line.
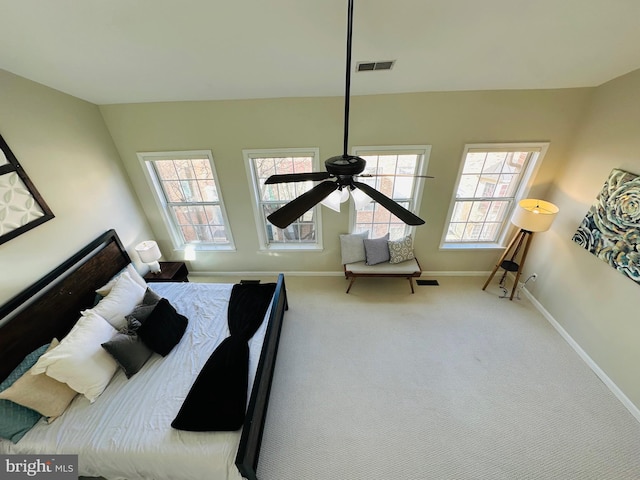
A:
444,120
64,146
66,150
595,304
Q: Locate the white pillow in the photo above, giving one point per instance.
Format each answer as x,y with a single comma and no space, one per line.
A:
133,273
121,300
352,247
79,360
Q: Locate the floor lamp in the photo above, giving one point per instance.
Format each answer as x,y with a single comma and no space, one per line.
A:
531,216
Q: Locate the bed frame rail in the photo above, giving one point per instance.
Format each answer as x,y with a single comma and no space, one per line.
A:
251,439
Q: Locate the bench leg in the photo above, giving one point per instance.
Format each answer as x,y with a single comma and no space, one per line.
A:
411,283
353,279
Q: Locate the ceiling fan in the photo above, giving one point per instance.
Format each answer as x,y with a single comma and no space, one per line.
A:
341,168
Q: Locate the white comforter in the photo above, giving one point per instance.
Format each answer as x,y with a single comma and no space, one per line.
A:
126,433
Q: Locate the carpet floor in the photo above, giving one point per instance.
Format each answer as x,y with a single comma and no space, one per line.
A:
449,383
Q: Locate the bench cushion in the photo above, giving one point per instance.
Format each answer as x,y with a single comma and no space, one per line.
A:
404,268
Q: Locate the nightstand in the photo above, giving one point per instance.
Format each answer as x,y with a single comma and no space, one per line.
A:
169,272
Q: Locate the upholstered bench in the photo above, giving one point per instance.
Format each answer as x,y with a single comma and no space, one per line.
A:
408,269
378,257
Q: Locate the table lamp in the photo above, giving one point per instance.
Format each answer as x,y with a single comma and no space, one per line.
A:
531,215
150,254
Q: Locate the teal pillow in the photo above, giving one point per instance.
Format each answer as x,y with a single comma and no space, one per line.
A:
16,420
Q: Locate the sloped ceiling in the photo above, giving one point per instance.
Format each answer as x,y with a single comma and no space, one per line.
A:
124,51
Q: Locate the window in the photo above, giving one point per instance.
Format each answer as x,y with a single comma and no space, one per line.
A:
491,179
304,233
397,165
185,186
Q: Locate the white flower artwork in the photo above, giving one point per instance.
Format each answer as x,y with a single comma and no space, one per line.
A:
611,228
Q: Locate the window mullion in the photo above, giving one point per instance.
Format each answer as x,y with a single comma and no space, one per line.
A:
483,199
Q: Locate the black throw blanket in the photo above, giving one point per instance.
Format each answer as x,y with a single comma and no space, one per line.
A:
217,400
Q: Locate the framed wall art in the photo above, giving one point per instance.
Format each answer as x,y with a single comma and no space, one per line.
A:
21,206
611,228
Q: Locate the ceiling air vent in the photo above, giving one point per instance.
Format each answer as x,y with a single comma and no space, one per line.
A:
370,66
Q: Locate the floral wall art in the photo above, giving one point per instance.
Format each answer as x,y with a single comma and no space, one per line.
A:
611,228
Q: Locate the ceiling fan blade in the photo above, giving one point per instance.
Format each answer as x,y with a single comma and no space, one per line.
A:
372,175
297,177
289,213
402,213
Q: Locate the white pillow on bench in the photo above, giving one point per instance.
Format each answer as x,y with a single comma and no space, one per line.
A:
352,247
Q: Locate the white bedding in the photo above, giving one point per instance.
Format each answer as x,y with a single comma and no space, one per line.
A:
107,435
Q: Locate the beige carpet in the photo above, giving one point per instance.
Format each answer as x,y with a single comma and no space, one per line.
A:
449,383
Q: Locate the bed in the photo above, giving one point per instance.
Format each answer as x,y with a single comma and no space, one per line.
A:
126,433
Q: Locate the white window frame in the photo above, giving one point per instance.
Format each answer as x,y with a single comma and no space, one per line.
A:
260,220
418,185
526,181
146,160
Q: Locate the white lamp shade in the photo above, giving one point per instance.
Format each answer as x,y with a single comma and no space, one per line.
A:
335,198
148,251
360,199
534,215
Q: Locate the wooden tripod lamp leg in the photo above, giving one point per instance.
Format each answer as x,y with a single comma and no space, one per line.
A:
504,255
521,264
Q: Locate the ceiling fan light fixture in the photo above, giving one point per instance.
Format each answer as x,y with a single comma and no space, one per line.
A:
334,199
343,169
360,199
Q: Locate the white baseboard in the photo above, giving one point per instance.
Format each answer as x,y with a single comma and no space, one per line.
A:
635,411
455,273
265,274
329,274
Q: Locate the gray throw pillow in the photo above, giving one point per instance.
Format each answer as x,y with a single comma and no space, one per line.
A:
129,352
377,250
150,297
352,247
140,313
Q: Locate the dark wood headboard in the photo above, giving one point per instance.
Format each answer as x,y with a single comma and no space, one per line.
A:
52,305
